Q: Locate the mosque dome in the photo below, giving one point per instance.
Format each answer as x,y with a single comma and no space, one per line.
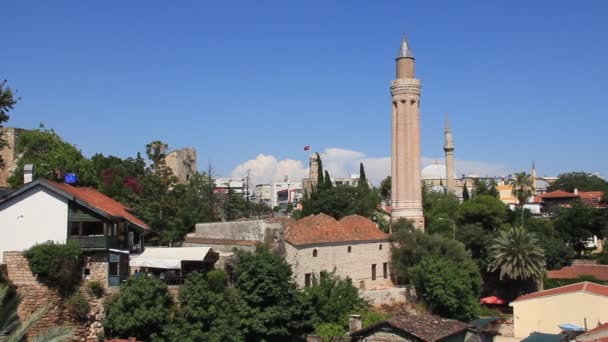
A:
434,171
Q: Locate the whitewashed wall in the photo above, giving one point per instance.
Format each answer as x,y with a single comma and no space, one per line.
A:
356,265
31,218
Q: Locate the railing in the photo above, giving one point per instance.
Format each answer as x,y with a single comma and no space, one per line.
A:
96,242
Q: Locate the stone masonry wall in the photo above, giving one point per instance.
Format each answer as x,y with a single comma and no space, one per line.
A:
98,265
356,264
34,295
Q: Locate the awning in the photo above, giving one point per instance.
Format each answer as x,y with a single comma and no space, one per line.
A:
492,300
169,258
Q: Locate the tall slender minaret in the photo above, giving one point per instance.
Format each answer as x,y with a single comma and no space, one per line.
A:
533,176
406,191
448,148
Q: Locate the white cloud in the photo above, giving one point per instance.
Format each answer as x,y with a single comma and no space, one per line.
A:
342,162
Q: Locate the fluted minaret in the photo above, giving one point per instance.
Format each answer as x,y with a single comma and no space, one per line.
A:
533,176
448,148
406,191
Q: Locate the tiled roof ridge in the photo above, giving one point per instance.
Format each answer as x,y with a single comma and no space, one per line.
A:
584,286
322,228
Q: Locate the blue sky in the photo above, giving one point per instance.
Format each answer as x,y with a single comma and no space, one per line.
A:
521,80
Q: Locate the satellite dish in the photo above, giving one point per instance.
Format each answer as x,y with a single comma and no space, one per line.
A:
70,178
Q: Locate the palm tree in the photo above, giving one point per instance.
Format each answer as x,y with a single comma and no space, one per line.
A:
517,255
521,189
12,330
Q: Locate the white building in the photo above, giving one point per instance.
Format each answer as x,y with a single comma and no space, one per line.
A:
223,185
286,192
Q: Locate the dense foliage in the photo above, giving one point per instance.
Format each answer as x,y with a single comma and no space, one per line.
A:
141,310
7,102
78,306
582,181
516,254
449,288
56,265
274,305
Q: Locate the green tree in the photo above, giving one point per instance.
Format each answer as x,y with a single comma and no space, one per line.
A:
465,192
341,201
56,265
410,246
327,183
385,189
320,180
275,308
52,157
579,223
142,309
7,103
234,206
439,209
522,190
447,287
582,181
333,299
209,310
517,255
484,210
557,253
12,330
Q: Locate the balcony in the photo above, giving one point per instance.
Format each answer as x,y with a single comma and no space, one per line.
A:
97,242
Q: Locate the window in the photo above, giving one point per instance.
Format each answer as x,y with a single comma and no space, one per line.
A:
86,273
307,282
74,228
385,270
373,271
92,228
349,249
113,269
380,247
314,253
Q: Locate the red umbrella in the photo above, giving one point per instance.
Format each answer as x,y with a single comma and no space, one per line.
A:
492,300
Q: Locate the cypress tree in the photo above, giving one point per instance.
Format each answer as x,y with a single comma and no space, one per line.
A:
362,176
465,192
320,182
327,184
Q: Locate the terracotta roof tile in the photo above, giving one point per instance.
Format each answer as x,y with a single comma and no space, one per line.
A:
192,239
323,228
591,195
558,194
601,327
424,327
100,201
600,290
575,271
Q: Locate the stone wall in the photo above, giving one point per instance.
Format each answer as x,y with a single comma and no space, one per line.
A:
34,295
183,163
97,263
353,260
388,296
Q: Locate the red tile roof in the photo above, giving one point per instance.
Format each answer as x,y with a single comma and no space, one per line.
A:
425,327
558,194
600,290
591,195
601,327
575,271
100,201
322,228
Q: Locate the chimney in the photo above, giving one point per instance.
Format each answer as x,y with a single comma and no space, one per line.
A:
576,191
354,323
28,173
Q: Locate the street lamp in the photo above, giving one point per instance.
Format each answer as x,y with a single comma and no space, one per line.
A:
453,224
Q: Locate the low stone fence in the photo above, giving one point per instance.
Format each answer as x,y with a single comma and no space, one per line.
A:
388,296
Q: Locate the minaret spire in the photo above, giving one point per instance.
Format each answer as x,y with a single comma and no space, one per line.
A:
448,148
406,191
533,176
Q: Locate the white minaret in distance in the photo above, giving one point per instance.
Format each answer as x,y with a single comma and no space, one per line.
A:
406,190
533,176
448,148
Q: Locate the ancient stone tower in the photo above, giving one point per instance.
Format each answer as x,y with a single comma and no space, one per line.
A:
448,148
406,191
183,163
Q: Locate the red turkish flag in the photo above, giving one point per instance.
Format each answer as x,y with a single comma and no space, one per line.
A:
307,147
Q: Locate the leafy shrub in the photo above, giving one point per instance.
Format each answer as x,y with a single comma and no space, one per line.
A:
141,310
56,265
328,331
602,258
96,289
78,305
